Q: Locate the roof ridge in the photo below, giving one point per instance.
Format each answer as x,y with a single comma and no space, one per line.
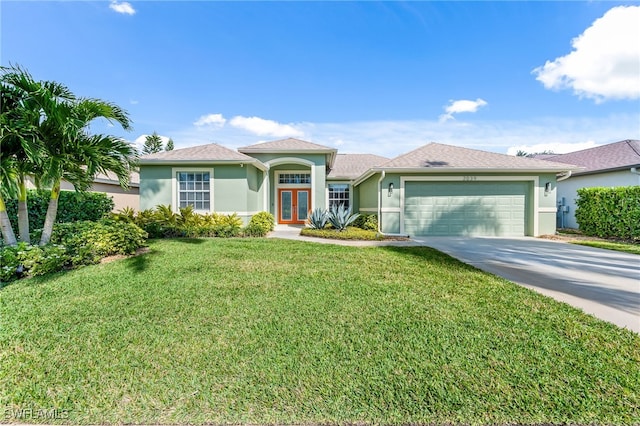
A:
628,141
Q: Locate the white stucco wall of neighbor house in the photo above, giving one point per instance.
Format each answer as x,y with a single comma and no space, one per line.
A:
568,189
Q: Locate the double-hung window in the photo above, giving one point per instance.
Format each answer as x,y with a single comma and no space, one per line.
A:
194,189
339,194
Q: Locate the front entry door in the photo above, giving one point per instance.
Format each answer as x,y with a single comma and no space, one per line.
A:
294,205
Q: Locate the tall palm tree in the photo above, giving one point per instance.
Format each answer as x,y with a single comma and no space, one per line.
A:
25,103
73,154
45,133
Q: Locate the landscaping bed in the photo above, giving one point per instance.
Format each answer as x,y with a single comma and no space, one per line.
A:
266,331
574,236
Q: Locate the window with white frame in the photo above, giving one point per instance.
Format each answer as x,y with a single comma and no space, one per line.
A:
194,189
339,194
293,178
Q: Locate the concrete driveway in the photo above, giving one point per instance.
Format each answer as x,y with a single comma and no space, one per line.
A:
603,283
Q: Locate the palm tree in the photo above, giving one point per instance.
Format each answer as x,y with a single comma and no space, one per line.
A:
24,104
45,133
73,154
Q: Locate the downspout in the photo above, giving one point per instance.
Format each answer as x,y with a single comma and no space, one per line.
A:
382,175
565,177
562,212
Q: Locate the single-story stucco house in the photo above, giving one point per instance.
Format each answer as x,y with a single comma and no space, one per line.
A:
611,165
434,190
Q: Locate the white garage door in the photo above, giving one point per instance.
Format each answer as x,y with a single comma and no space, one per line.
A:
465,208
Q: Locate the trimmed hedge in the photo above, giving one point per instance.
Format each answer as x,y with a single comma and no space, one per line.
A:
609,212
351,233
72,206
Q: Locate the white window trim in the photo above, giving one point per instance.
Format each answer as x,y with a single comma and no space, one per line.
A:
339,182
174,187
476,178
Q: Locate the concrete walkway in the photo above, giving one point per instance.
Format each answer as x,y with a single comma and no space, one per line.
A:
603,283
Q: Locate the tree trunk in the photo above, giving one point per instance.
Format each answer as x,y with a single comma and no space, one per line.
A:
7,230
52,212
23,212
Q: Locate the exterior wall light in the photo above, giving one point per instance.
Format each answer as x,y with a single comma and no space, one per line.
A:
547,188
390,189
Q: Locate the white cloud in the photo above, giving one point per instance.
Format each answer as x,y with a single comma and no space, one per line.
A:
122,7
605,61
462,105
392,138
211,119
134,102
554,147
262,127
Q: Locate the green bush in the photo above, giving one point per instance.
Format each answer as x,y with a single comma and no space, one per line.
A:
367,221
88,242
260,225
609,212
27,260
162,222
72,206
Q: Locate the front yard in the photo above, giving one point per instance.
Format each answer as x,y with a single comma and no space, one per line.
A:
274,331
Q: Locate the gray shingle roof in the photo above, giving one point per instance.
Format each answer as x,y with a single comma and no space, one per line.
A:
612,156
436,156
351,166
290,144
209,152
110,177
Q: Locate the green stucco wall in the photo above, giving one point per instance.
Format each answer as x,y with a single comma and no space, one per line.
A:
313,163
236,189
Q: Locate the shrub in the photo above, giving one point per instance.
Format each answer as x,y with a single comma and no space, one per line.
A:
340,218
88,242
317,219
609,212
72,206
260,225
24,259
367,221
162,222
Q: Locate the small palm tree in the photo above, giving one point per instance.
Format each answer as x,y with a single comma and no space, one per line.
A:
73,154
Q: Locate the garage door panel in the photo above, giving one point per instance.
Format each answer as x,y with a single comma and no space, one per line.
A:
465,208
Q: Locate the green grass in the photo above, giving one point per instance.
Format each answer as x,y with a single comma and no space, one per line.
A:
624,247
275,331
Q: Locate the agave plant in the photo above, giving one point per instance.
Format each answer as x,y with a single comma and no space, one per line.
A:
340,218
317,219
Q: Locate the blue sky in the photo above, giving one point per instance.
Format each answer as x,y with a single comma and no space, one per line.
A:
376,77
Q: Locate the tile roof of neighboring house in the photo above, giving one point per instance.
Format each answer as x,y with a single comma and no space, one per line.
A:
290,145
209,152
111,178
617,155
351,166
435,156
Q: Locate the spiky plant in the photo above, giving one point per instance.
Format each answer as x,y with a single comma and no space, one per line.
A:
317,219
340,218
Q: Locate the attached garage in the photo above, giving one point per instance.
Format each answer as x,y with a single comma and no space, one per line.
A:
487,208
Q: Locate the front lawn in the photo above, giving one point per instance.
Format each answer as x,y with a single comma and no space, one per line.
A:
276,331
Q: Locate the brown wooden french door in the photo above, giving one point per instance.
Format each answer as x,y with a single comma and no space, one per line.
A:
293,205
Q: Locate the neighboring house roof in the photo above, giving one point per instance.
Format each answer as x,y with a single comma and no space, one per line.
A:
351,166
210,153
111,178
610,157
440,157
